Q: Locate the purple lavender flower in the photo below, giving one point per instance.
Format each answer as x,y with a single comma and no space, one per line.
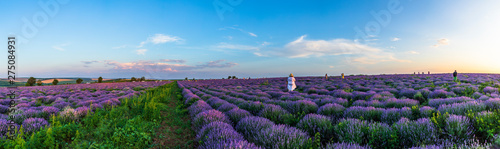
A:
392,115
459,128
230,144
493,103
50,110
4,127
281,136
333,110
3,109
302,106
440,94
344,145
484,98
252,107
476,95
462,108
417,132
216,132
274,113
190,98
198,107
252,125
426,111
236,114
366,113
207,117
437,102
313,123
351,130
379,134
226,107
32,113
489,90
399,103
31,125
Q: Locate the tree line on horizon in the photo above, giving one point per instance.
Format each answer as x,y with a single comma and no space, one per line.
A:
32,81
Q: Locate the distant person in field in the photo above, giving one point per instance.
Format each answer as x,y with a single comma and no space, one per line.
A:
455,75
342,75
326,76
291,83
429,72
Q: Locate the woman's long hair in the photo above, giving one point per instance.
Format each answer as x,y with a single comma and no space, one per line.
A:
291,75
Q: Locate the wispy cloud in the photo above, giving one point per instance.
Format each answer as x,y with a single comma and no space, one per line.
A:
304,48
252,34
89,62
224,45
413,52
442,41
331,66
163,65
161,38
173,60
239,29
119,47
61,46
141,51
395,39
265,43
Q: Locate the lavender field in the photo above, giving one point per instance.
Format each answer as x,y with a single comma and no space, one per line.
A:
62,109
379,111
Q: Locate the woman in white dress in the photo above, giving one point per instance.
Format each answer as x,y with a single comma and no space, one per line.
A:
291,83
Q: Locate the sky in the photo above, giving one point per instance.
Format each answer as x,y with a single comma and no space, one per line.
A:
174,39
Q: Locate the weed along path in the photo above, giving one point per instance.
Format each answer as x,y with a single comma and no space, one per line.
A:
175,129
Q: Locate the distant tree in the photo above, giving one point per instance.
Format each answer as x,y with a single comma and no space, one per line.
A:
143,78
31,81
99,79
39,83
27,84
234,77
186,78
55,81
133,79
228,77
79,81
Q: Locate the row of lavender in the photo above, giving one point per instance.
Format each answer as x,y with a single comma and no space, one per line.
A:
34,105
264,96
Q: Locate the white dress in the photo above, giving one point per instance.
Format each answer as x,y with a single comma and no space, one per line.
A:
291,83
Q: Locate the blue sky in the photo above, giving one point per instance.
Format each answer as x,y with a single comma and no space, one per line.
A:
214,39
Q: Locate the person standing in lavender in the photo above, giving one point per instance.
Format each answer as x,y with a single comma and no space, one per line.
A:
455,75
326,76
291,83
342,75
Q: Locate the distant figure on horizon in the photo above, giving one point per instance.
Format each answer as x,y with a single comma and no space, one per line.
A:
291,82
423,73
455,75
419,73
429,72
342,75
326,76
